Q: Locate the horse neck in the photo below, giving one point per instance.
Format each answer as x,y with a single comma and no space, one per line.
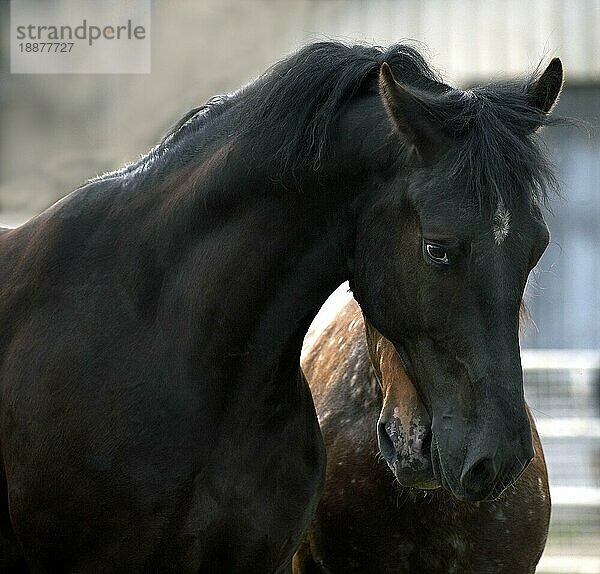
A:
301,265
265,256
252,273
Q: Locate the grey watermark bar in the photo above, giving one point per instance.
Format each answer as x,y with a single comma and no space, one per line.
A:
80,37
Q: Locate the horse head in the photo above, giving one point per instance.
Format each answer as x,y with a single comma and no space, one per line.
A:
442,256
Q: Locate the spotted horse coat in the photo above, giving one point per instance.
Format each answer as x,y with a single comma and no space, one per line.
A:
366,522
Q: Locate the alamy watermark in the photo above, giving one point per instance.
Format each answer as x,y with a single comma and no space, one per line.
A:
80,37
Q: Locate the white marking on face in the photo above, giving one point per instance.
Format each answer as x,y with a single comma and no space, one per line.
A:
501,225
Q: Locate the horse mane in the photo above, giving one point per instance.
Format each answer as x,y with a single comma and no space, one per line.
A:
291,109
301,96
499,154
190,123
298,98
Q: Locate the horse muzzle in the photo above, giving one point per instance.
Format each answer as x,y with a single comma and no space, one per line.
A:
405,444
486,470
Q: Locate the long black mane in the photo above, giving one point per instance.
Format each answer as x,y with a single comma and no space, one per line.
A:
302,95
296,101
287,114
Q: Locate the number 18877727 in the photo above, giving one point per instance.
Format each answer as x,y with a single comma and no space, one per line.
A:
46,46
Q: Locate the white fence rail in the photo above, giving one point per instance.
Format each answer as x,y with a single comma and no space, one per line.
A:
562,388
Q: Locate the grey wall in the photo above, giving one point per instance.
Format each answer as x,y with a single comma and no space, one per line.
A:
56,131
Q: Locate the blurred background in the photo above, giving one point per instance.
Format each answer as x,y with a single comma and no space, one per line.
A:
58,130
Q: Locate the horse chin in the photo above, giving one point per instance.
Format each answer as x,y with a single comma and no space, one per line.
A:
418,475
419,482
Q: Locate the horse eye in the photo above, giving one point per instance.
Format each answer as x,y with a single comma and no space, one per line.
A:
437,253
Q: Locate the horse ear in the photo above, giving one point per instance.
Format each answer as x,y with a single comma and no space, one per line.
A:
544,92
408,113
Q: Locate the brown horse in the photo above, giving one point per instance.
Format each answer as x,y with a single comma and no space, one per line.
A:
368,522
153,414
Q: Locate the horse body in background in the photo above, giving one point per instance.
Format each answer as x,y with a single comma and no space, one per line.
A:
153,415
368,523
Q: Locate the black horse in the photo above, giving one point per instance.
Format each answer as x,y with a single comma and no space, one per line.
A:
367,523
153,415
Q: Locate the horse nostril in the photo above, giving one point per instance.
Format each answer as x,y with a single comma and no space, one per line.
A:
480,476
386,446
